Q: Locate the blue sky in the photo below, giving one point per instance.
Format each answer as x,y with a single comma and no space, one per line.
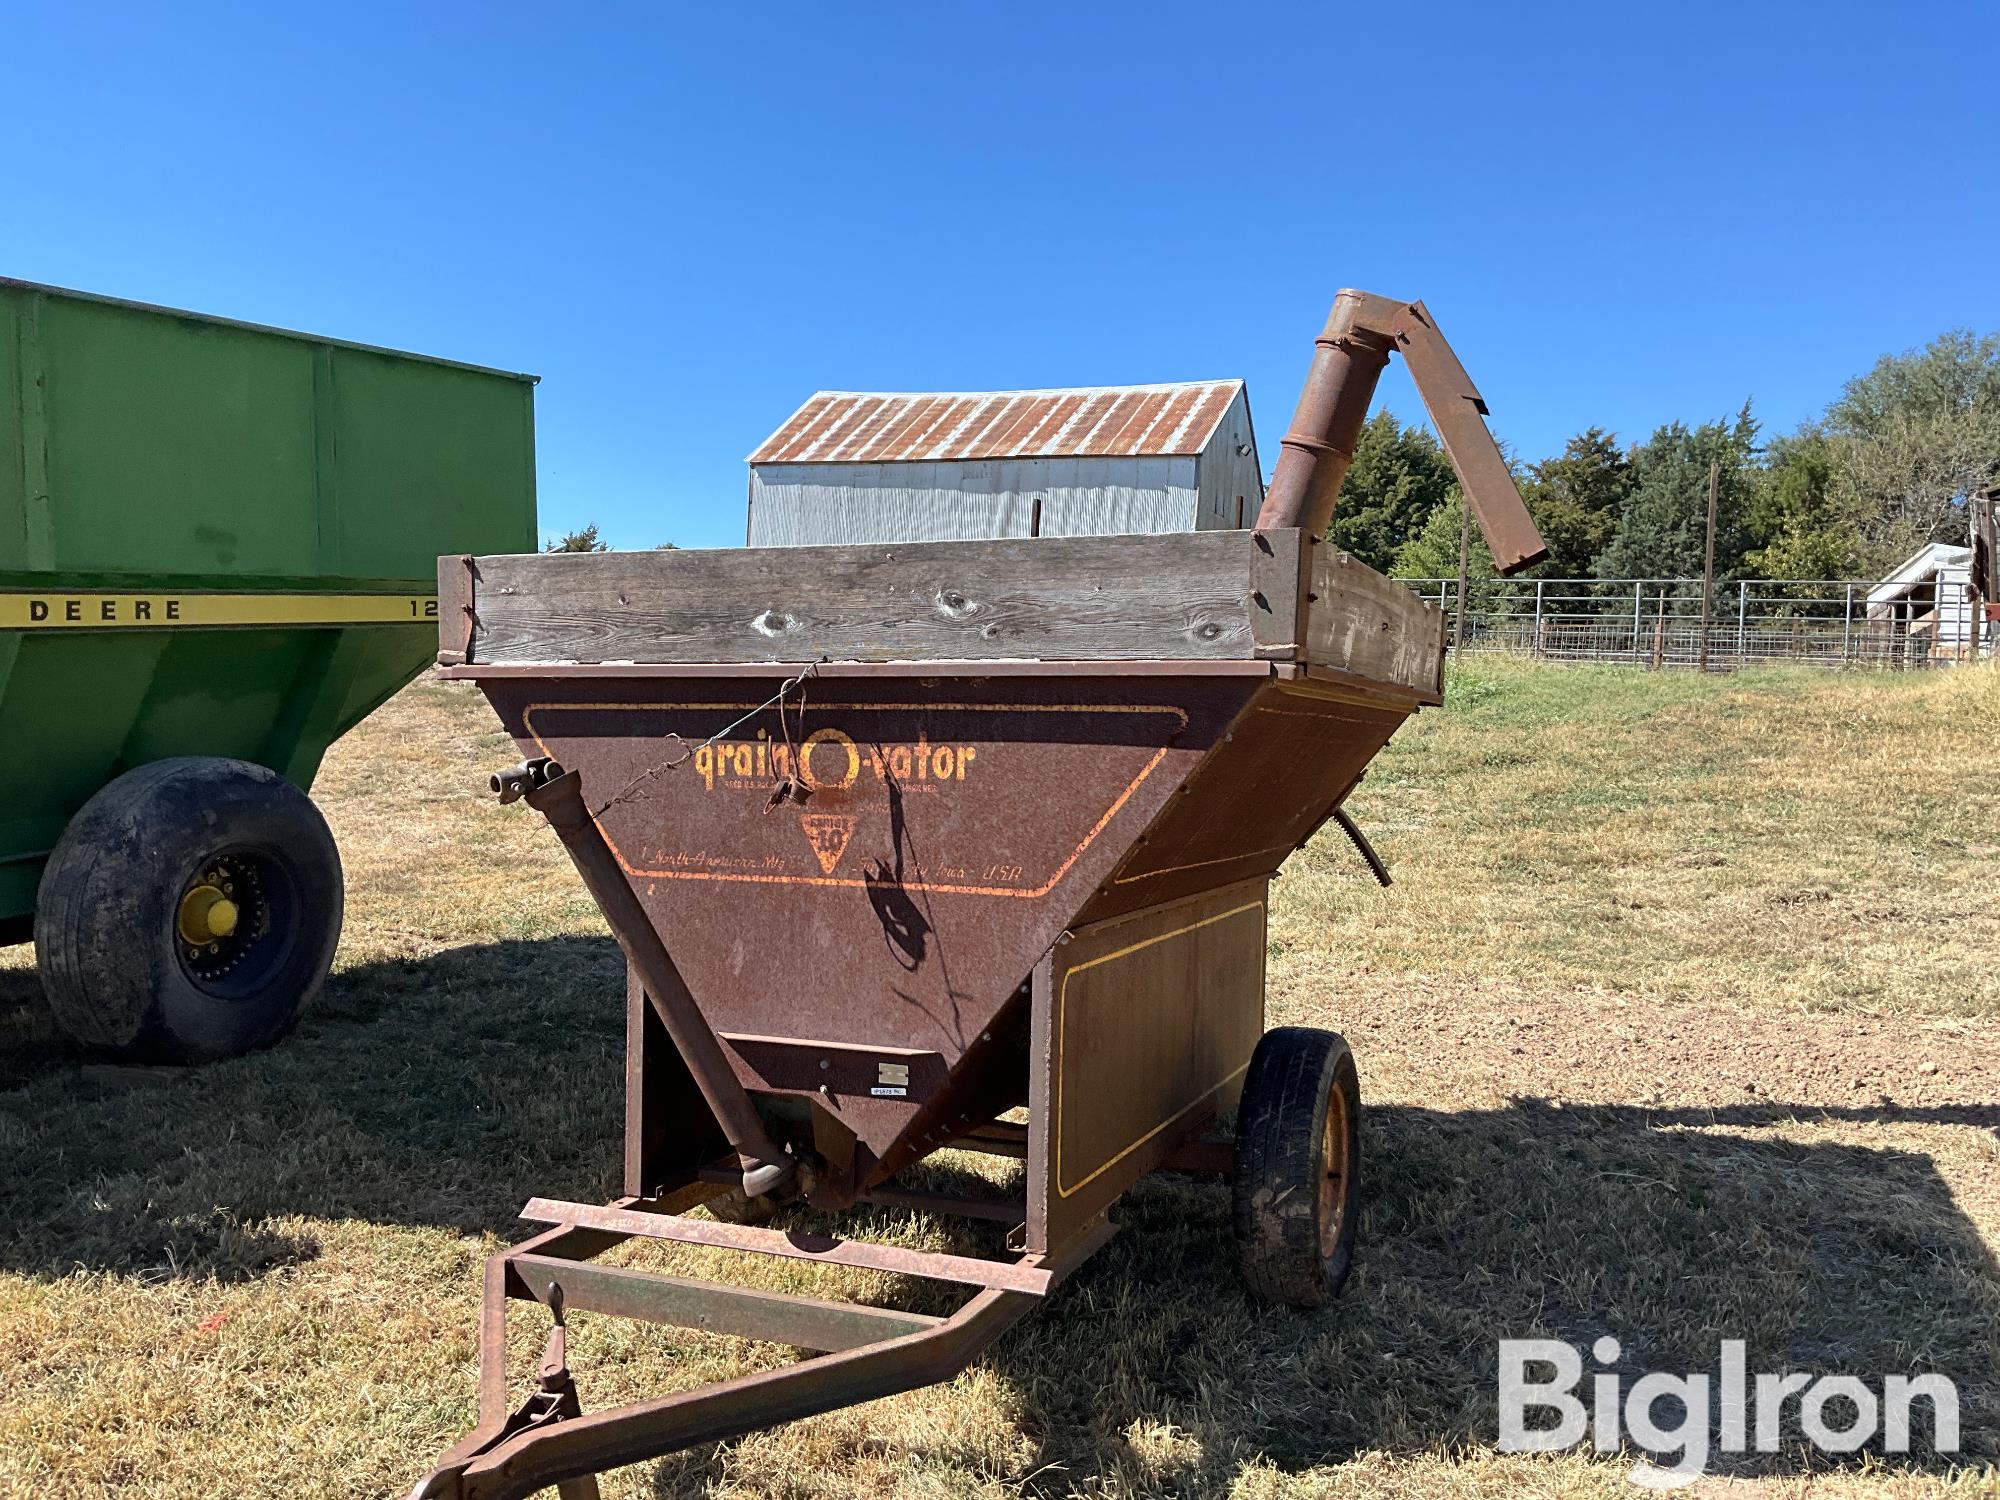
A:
686,219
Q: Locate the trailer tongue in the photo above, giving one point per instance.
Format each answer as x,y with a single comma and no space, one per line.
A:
900,840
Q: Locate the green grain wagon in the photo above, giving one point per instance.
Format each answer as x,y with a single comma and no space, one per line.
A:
217,554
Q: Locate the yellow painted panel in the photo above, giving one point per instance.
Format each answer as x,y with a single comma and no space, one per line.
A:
90,609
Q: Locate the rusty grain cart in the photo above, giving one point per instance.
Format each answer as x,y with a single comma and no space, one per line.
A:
900,839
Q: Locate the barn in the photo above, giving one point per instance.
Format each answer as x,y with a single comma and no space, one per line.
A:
855,466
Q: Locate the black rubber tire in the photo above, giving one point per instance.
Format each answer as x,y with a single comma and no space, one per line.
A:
112,960
1296,1189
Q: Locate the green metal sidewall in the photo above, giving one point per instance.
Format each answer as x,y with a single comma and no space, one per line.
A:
143,449
82,709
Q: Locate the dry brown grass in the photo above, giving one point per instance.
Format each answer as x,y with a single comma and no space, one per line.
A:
1677,1025
1778,838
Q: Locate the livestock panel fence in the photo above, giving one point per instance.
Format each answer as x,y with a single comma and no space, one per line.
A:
1657,622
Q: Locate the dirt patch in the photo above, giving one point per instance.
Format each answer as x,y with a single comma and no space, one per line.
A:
1428,1037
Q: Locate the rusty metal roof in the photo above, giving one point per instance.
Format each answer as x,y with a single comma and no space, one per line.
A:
835,427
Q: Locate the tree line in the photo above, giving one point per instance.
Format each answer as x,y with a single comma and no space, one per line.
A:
586,539
1885,468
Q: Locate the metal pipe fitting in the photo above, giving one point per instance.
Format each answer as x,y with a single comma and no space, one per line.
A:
1314,454
516,782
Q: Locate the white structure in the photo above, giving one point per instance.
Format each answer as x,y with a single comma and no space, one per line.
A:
1928,596
852,466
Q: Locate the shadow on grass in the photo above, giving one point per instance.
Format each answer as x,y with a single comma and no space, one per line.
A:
1668,1229
444,1092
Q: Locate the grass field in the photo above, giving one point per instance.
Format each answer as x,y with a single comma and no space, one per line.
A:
1677,1025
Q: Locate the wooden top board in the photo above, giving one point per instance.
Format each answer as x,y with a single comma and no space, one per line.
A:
1200,596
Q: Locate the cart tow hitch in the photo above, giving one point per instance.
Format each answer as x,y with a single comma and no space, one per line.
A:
557,794
554,1400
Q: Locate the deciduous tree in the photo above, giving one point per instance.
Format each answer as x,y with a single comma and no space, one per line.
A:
1912,439
1792,518
1433,551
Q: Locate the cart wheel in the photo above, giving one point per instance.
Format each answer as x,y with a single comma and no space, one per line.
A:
188,912
1298,1161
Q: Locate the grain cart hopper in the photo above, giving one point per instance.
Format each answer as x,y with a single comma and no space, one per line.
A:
217,553
903,839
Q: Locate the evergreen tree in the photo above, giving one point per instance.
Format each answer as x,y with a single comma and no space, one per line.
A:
1398,478
1576,500
1661,528
579,541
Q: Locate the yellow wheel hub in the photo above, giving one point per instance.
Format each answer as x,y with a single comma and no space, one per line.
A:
206,914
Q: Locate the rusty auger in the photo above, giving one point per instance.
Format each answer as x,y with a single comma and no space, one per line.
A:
1361,332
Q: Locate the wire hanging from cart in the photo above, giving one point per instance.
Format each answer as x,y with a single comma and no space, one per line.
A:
787,787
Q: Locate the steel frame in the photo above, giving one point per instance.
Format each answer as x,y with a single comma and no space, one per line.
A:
865,1352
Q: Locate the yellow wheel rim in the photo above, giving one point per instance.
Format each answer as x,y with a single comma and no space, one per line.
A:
206,914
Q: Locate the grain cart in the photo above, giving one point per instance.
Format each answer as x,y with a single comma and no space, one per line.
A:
217,553
902,841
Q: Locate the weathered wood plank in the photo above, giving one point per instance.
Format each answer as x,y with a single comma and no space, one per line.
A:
1183,596
1361,623
455,613
1278,586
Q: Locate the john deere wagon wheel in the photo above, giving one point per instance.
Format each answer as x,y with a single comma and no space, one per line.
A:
1298,1160
189,911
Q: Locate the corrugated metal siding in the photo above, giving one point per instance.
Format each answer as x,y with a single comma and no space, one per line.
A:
797,505
1230,473
919,427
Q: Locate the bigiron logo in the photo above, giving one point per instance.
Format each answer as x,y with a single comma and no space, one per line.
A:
1679,1420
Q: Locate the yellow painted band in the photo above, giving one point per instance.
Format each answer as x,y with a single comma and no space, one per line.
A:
94,610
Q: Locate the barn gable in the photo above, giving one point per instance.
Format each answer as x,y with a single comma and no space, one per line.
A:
853,466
